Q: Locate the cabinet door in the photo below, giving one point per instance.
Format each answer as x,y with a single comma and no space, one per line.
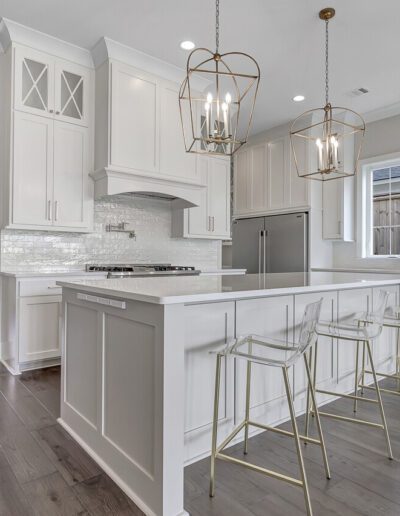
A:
219,196
198,217
34,82
33,170
72,83
331,215
70,175
298,187
134,119
174,160
258,179
39,328
241,181
276,173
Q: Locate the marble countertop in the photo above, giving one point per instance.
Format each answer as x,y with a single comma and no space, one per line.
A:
50,273
194,289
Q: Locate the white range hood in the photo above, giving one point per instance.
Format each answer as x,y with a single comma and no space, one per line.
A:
113,182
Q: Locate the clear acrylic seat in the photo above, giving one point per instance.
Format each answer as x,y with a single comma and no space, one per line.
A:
276,353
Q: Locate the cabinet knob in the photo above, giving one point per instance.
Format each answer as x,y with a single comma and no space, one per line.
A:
51,111
57,112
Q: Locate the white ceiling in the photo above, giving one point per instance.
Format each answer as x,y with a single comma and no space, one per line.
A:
285,36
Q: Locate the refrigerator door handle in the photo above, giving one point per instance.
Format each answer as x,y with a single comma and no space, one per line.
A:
265,234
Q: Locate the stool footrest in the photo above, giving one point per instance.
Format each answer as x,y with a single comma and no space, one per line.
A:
350,396
284,432
351,419
388,391
384,375
259,469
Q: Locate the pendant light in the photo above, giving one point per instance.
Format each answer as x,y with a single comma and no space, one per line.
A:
218,120
330,130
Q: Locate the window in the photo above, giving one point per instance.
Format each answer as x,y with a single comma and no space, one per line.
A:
378,214
386,211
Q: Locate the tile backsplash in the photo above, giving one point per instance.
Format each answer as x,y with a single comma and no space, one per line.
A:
150,218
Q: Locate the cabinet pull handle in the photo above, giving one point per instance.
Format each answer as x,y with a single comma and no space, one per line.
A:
213,223
56,211
51,111
57,112
49,210
209,224
51,288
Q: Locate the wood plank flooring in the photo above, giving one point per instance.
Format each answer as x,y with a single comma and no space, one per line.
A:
43,472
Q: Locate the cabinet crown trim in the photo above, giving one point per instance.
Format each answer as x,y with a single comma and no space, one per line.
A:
13,32
108,49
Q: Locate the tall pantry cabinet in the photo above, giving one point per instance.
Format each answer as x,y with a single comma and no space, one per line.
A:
46,116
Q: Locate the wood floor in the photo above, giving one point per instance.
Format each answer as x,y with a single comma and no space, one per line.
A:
44,472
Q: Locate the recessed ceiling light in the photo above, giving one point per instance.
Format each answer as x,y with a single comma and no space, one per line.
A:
299,98
187,45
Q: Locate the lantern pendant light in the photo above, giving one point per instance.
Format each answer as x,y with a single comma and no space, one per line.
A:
330,130
218,120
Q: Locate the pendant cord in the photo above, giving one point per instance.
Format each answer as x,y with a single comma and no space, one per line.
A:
326,62
217,26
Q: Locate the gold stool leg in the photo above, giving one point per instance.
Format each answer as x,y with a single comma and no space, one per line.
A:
318,419
378,394
247,414
309,386
363,370
297,441
215,425
356,376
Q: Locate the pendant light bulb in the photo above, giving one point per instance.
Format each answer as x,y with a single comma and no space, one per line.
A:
228,98
209,97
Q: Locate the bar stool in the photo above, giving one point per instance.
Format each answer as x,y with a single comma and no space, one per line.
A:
275,353
391,320
361,334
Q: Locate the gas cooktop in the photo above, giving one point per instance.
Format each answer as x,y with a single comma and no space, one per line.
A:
143,270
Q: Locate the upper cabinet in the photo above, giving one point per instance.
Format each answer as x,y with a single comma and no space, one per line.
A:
47,141
51,87
212,218
139,127
266,181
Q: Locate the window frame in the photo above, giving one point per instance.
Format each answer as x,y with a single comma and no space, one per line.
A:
364,204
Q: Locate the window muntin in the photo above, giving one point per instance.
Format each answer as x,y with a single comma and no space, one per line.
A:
386,210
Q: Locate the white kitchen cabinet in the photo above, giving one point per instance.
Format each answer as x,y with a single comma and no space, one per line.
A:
39,327
266,180
48,86
32,170
51,185
138,126
211,219
71,198
47,138
30,314
338,210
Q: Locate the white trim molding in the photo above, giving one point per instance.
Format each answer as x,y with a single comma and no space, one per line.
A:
364,208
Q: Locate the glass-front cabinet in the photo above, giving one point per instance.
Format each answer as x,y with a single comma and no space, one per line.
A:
51,87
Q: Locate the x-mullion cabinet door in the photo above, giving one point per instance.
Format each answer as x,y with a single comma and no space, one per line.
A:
72,83
34,82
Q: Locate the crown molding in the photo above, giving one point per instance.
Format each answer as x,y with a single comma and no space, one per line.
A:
106,49
13,32
382,113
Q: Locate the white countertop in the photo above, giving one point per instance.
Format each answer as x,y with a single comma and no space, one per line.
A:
194,289
50,273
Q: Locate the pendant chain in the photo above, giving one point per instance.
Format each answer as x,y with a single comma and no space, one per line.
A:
326,62
217,26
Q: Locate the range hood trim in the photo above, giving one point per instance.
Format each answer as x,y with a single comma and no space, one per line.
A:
110,181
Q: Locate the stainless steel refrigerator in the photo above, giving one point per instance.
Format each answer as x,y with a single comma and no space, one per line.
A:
277,243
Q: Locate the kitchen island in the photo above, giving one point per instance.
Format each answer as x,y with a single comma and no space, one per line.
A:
138,376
